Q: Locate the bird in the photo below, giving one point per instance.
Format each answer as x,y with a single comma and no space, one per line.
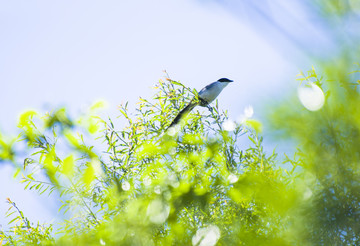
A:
205,97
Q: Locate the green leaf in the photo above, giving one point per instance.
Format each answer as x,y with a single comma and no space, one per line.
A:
89,175
25,118
68,166
98,105
177,83
254,124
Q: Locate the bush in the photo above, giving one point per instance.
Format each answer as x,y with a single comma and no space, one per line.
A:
192,184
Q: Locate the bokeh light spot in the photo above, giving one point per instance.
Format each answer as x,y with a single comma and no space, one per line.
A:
312,97
207,236
125,185
158,212
229,125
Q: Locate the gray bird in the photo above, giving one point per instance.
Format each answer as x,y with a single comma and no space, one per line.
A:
206,96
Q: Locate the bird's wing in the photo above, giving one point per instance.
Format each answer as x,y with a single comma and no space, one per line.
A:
211,91
184,112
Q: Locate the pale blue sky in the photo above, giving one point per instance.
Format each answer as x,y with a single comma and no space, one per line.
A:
75,52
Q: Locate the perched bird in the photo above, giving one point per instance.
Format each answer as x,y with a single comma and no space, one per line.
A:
205,97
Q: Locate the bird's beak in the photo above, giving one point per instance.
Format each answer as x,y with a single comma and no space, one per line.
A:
231,80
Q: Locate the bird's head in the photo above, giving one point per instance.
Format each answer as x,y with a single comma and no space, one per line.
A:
225,80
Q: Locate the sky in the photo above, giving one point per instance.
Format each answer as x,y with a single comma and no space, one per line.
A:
72,53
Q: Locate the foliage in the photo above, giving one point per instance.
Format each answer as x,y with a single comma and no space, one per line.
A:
188,185
23,231
192,184
328,157
338,8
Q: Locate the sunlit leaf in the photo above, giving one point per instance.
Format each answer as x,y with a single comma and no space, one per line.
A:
68,166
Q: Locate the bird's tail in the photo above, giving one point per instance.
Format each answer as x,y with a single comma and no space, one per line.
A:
184,112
